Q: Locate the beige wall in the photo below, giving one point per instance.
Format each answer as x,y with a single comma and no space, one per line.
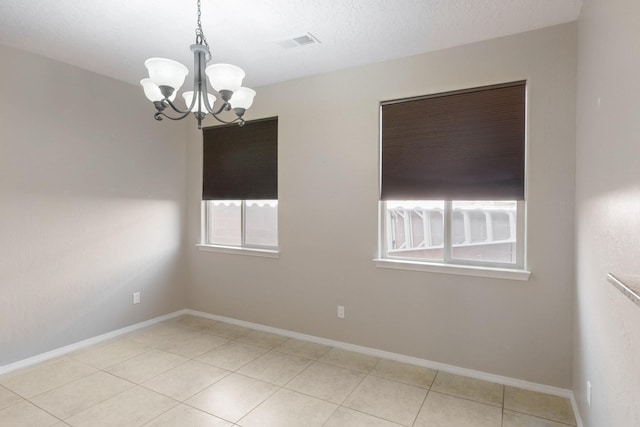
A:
607,331
328,192
92,206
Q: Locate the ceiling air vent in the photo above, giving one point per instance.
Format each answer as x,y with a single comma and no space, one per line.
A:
304,39
300,40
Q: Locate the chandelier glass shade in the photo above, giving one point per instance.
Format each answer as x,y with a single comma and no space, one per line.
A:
166,77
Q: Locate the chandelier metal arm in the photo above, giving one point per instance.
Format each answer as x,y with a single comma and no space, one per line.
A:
184,113
160,114
239,120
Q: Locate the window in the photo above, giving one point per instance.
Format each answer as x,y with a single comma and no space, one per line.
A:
243,223
452,177
240,185
476,232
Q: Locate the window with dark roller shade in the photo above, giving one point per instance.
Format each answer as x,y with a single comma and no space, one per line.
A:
452,181
240,187
241,162
463,145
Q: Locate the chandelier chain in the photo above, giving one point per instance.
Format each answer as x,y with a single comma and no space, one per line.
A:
200,33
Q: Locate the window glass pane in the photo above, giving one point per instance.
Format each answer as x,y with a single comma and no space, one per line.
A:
478,226
501,225
458,234
261,222
396,235
414,229
484,231
224,226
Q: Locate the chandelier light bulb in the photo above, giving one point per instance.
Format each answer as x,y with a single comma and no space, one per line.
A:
166,72
225,77
242,98
152,91
188,98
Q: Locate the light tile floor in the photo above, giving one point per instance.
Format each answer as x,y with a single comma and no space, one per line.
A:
190,371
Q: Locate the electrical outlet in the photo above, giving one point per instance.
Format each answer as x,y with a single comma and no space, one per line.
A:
136,297
340,312
589,393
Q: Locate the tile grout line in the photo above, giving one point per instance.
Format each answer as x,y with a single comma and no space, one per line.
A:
133,384
424,400
429,390
162,413
29,399
90,406
465,398
502,412
278,388
541,418
364,377
228,373
366,374
32,404
331,416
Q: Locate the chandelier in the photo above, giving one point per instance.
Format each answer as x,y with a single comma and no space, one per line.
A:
167,76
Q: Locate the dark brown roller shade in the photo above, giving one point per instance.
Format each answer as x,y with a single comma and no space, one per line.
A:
241,163
463,145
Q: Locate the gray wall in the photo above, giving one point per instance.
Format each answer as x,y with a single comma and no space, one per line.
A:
607,328
92,206
328,193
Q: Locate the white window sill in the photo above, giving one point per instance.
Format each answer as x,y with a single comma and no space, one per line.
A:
265,253
463,270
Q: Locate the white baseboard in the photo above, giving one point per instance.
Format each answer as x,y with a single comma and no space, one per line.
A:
499,379
61,351
576,412
526,385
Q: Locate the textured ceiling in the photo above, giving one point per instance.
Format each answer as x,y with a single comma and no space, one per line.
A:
114,37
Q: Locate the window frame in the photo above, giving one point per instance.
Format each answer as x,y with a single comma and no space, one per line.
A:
447,259
448,265
256,145
205,244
